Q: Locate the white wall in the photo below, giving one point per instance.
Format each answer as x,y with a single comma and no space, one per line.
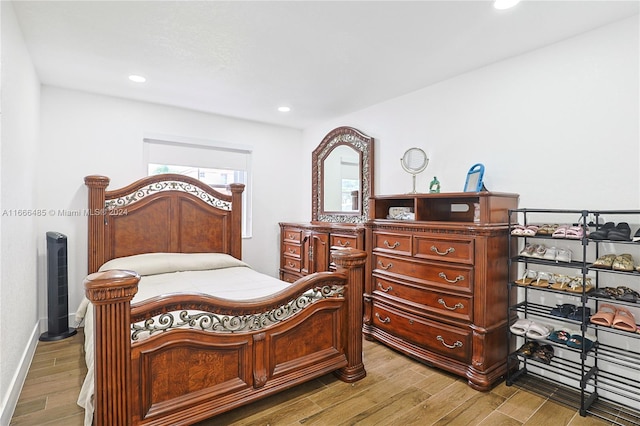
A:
18,282
86,134
558,125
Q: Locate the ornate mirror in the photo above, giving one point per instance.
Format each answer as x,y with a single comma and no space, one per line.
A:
342,180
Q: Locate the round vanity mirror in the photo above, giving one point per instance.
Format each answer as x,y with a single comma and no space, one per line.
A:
414,161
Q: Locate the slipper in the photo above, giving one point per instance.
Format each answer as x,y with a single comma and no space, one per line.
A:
564,255
529,249
626,294
528,277
547,229
561,336
636,236
528,349
544,280
576,341
574,232
623,262
538,331
550,254
604,262
579,313
605,293
560,232
540,250
530,231
563,310
602,233
562,282
624,320
543,353
520,327
517,229
578,286
605,315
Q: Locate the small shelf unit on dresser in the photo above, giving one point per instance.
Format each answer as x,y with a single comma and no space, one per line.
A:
603,379
433,289
306,248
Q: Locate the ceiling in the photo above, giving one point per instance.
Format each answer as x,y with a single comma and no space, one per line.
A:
322,58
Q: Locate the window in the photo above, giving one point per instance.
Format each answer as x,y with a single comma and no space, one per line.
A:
216,165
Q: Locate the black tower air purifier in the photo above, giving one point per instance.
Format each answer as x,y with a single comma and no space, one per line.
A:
57,289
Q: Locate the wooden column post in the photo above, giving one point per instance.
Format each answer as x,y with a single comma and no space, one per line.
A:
236,219
111,292
351,262
97,186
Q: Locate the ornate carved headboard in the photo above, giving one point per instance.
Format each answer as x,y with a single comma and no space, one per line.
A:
163,213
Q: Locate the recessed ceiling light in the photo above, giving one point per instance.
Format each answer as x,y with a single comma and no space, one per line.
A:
505,4
137,78
284,109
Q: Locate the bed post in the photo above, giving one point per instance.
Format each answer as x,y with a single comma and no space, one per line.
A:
236,219
97,186
351,262
111,292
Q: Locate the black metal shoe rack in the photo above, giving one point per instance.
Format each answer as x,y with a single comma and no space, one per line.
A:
603,381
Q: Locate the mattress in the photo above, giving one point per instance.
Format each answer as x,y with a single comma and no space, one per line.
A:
214,274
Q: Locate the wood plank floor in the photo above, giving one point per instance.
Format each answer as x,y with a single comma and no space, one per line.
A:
396,391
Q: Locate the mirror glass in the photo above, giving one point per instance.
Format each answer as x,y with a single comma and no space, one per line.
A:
342,181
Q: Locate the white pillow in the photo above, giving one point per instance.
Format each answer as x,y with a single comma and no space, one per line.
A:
162,263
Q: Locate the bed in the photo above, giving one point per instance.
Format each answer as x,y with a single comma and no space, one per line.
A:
164,349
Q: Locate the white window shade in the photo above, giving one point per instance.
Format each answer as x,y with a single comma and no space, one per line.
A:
196,155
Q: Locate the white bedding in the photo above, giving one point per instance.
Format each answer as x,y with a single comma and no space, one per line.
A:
215,274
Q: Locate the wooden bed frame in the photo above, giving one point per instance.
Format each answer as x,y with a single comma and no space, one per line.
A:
182,376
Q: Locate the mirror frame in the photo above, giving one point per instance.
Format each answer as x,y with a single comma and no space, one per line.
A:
363,145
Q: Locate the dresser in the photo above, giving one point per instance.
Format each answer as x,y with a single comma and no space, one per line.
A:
306,248
435,281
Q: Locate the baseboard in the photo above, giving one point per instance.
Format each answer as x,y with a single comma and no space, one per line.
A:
17,381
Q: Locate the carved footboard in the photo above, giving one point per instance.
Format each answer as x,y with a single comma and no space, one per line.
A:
243,352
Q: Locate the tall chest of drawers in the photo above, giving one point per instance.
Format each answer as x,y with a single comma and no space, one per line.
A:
435,287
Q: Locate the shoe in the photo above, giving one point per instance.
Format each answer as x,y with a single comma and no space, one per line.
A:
539,251
545,279
561,336
528,277
563,310
560,232
530,231
528,250
636,236
575,232
622,232
604,293
517,230
626,294
520,327
579,313
624,263
562,282
605,315
528,349
550,254
547,229
624,320
538,331
602,233
578,286
604,262
543,353
564,255
576,341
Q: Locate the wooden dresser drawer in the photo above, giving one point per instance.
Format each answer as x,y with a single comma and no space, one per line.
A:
292,235
441,304
392,243
457,250
449,341
441,275
292,264
288,277
292,250
343,241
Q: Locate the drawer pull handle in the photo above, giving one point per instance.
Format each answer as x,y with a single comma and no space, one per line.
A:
345,244
383,320
444,276
391,246
291,264
442,253
292,237
457,344
456,306
386,290
385,267
292,251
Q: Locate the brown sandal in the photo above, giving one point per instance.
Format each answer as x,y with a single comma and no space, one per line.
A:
605,315
624,320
